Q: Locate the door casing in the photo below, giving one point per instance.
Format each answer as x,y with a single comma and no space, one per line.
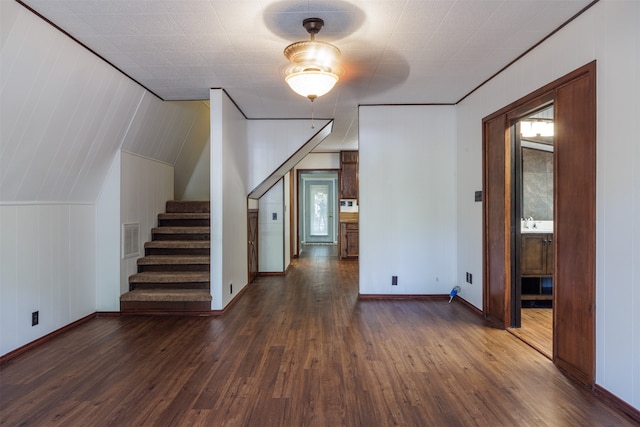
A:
574,243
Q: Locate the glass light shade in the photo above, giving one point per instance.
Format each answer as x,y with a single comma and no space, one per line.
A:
311,83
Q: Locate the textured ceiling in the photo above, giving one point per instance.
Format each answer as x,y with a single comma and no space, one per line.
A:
393,51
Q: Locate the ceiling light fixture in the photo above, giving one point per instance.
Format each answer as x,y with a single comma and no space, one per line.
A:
314,68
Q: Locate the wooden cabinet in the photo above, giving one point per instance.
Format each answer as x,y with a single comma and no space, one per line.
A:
349,240
348,174
536,258
536,266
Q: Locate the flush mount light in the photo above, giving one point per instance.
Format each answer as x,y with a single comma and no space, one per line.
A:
314,68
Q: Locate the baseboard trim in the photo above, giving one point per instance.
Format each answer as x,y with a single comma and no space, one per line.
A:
199,313
21,350
428,297
616,402
272,273
468,305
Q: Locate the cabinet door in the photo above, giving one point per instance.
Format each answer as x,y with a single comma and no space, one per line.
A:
349,240
349,181
533,258
348,174
549,254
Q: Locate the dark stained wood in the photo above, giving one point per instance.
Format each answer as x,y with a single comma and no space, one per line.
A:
349,240
536,257
252,244
296,350
575,225
496,220
574,214
348,174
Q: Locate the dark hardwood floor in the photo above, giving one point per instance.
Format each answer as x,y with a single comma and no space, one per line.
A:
536,329
299,350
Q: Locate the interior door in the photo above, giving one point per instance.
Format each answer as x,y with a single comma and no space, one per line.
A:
319,209
575,233
497,206
574,97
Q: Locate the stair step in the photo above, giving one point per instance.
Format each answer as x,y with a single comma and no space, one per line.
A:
173,206
177,247
181,233
186,219
165,300
174,263
180,230
179,244
167,295
175,277
173,260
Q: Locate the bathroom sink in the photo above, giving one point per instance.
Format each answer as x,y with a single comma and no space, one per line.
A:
538,227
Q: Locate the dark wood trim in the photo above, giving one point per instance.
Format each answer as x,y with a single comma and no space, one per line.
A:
272,273
426,297
21,350
467,304
574,216
564,24
330,122
48,21
541,93
168,313
616,402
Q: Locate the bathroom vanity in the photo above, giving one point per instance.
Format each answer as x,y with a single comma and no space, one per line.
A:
536,261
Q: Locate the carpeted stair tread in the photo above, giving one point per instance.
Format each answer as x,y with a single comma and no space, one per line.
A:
173,259
179,244
181,230
195,206
183,215
167,295
170,277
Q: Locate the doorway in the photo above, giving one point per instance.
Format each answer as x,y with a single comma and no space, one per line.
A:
533,195
574,211
318,207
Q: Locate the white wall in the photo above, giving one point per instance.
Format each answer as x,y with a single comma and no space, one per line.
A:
229,154
65,115
272,142
48,254
192,166
108,241
272,231
609,33
146,186
407,199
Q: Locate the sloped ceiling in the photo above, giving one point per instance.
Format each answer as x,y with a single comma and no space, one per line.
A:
394,51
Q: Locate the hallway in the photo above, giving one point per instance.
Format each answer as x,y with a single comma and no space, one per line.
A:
292,351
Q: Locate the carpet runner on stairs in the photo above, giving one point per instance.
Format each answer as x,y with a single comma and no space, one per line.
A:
173,276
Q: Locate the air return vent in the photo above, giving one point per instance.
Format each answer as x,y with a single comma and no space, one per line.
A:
130,240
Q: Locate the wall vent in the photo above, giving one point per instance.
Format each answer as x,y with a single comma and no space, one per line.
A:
130,240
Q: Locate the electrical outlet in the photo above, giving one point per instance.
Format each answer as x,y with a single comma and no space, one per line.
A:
394,280
35,318
274,216
470,278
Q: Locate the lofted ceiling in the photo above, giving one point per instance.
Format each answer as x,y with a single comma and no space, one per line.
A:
393,51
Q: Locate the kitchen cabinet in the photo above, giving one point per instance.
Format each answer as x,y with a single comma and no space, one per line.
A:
348,174
349,240
536,266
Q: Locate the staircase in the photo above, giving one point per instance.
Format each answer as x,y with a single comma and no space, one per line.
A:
173,276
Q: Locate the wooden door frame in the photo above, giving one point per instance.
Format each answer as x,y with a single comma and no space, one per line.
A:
497,240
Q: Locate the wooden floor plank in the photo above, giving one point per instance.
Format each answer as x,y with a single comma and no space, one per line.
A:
296,350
